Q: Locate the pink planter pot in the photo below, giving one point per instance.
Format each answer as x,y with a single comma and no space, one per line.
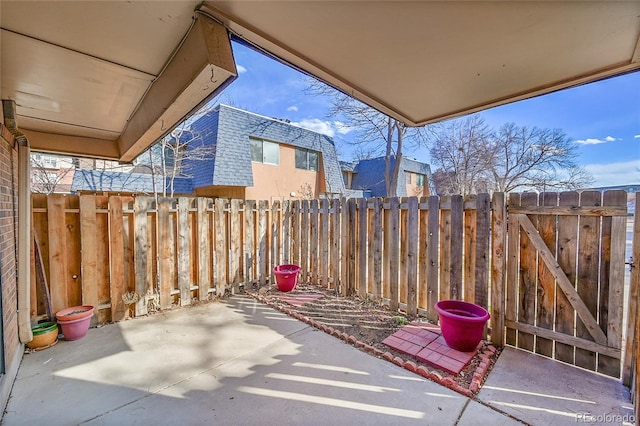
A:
286,276
75,329
462,323
75,321
74,312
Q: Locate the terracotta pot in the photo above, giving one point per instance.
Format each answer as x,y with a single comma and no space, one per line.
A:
74,313
44,335
75,329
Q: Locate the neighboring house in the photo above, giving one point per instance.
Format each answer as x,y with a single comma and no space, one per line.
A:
368,176
51,173
254,157
55,173
263,158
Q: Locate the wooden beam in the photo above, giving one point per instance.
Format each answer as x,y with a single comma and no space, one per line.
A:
201,68
571,210
564,338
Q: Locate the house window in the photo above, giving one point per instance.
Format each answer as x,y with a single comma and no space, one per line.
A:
419,180
265,152
306,159
46,161
407,177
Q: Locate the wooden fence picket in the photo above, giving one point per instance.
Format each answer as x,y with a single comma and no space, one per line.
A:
116,256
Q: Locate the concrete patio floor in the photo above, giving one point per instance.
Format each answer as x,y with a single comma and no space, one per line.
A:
240,362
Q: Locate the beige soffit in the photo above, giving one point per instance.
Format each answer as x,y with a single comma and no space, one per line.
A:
424,61
107,79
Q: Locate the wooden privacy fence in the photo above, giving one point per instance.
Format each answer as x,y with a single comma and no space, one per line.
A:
407,252
549,267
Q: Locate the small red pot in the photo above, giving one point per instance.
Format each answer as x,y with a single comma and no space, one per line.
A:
286,276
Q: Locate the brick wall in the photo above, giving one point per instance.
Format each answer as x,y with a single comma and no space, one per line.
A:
8,238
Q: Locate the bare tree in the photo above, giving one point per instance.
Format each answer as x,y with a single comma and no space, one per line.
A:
375,129
461,151
170,157
471,157
535,158
48,172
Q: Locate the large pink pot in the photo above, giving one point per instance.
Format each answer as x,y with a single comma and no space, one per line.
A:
75,329
462,323
75,312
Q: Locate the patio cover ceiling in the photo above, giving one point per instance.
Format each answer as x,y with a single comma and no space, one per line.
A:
106,79
424,61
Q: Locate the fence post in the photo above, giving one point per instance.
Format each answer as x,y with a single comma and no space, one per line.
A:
631,365
204,249
141,248
324,243
335,244
433,264
88,252
184,260
377,248
412,256
344,245
498,257
362,247
166,237
483,236
116,258
394,260
455,255
220,257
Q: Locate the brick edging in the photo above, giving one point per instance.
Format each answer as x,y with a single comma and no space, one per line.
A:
431,374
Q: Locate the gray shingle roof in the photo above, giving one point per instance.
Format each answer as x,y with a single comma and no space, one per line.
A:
107,181
369,175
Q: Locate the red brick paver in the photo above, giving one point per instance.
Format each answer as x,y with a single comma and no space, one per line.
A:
299,299
425,342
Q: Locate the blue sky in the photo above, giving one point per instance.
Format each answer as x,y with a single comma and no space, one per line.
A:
602,118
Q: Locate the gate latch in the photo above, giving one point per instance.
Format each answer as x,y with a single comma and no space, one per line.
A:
630,263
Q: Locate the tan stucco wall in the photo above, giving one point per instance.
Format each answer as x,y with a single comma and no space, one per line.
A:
278,182
221,191
414,190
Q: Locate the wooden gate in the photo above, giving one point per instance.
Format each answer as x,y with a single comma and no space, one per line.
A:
565,276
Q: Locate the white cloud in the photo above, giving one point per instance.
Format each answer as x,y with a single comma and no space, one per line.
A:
342,128
292,108
637,136
622,173
329,128
595,141
240,69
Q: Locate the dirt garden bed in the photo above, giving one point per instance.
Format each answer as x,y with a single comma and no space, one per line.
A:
365,325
